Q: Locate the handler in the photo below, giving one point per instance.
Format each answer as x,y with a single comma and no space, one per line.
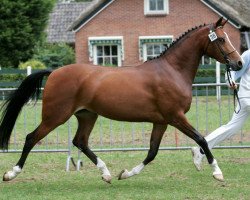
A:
238,120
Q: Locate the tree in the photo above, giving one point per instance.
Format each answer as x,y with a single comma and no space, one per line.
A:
22,24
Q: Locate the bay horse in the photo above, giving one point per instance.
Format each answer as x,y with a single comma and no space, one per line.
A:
158,91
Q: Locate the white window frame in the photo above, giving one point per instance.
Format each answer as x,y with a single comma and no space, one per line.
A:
145,55
143,46
119,60
102,41
147,10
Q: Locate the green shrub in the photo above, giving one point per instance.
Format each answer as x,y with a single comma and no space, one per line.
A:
35,64
55,55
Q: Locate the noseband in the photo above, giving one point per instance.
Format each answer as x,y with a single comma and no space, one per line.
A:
214,38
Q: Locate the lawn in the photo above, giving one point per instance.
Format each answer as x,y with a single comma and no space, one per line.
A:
170,176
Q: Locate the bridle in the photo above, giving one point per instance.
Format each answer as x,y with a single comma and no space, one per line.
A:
214,38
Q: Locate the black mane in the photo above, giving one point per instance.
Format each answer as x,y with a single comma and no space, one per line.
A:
177,40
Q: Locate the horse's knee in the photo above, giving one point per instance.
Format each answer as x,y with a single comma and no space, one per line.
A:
80,145
76,143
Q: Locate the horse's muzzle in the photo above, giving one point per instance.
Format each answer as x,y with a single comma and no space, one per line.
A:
234,65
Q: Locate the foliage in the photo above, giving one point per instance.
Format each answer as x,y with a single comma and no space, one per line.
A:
206,73
12,77
22,25
35,64
9,79
55,55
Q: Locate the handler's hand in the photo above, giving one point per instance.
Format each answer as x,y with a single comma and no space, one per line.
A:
233,86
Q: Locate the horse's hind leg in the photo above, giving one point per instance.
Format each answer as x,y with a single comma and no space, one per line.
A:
31,139
86,122
155,140
52,117
183,125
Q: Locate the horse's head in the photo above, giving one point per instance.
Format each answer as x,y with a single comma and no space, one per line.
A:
220,47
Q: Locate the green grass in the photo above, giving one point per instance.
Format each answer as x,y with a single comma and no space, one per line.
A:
170,176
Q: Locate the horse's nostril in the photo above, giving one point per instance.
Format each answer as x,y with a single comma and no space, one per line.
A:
239,63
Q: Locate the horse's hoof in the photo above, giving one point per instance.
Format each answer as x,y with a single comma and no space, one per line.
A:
218,177
106,178
6,177
123,174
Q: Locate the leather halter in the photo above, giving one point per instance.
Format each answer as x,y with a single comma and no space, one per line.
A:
227,61
224,54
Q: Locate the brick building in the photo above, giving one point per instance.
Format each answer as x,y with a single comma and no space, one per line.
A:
128,32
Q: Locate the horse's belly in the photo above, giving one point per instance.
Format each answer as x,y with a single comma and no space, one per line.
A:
134,116
127,109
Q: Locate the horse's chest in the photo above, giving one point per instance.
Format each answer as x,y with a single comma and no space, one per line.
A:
174,98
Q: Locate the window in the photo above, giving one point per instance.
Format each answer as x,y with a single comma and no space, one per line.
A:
106,55
152,46
106,51
153,50
156,7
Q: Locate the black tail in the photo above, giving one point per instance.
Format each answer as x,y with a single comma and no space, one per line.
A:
30,87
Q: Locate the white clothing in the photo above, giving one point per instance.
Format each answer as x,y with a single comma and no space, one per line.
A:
244,74
232,127
238,120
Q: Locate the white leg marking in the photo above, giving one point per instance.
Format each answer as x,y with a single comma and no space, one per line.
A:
217,173
12,174
136,170
106,176
102,166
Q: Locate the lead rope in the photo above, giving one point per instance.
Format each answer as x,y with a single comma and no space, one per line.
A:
229,77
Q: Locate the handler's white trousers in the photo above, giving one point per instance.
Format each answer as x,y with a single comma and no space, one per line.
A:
232,127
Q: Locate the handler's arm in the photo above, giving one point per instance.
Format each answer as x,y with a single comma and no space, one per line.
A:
235,75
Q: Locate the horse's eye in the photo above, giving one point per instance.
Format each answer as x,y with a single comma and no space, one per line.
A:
222,40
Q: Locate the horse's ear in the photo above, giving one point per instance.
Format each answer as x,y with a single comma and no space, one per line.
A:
220,22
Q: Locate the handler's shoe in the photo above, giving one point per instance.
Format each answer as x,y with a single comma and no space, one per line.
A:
197,157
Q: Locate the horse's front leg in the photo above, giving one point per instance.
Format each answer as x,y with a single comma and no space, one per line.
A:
183,125
156,136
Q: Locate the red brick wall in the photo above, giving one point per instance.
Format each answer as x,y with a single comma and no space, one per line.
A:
126,18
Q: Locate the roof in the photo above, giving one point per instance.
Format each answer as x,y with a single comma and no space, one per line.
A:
88,14
60,19
237,11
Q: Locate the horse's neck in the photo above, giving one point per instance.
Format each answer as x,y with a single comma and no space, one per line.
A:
187,55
